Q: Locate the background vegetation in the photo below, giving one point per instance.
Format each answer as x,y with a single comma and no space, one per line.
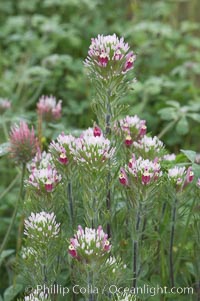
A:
43,45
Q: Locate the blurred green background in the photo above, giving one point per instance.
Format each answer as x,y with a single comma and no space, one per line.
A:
43,45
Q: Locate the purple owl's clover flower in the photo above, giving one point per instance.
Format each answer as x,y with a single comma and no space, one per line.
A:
89,242
109,53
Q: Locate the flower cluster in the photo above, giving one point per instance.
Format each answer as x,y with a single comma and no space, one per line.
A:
43,174
4,105
133,128
62,150
36,296
180,176
109,55
144,171
41,160
92,150
48,108
23,143
41,225
149,146
44,179
89,243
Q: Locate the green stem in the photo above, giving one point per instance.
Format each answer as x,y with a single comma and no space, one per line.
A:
35,95
107,133
5,130
91,296
3,245
184,235
9,187
171,262
158,249
70,199
94,210
40,130
135,248
167,128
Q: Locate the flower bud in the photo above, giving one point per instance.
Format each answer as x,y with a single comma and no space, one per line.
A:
146,178
130,59
63,158
189,175
143,130
107,245
97,131
128,141
72,251
123,179
48,186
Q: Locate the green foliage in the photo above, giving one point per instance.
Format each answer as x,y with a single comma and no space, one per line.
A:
5,254
12,292
44,44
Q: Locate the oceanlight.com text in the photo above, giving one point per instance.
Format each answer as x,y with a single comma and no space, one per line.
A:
113,289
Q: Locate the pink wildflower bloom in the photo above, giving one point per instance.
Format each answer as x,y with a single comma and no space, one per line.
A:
4,105
62,149
41,160
147,144
41,225
176,172
144,171
92,151
198,183
23,143
43,174
133,128
48,108
109,52
180,176
130,122
89,244
44,179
